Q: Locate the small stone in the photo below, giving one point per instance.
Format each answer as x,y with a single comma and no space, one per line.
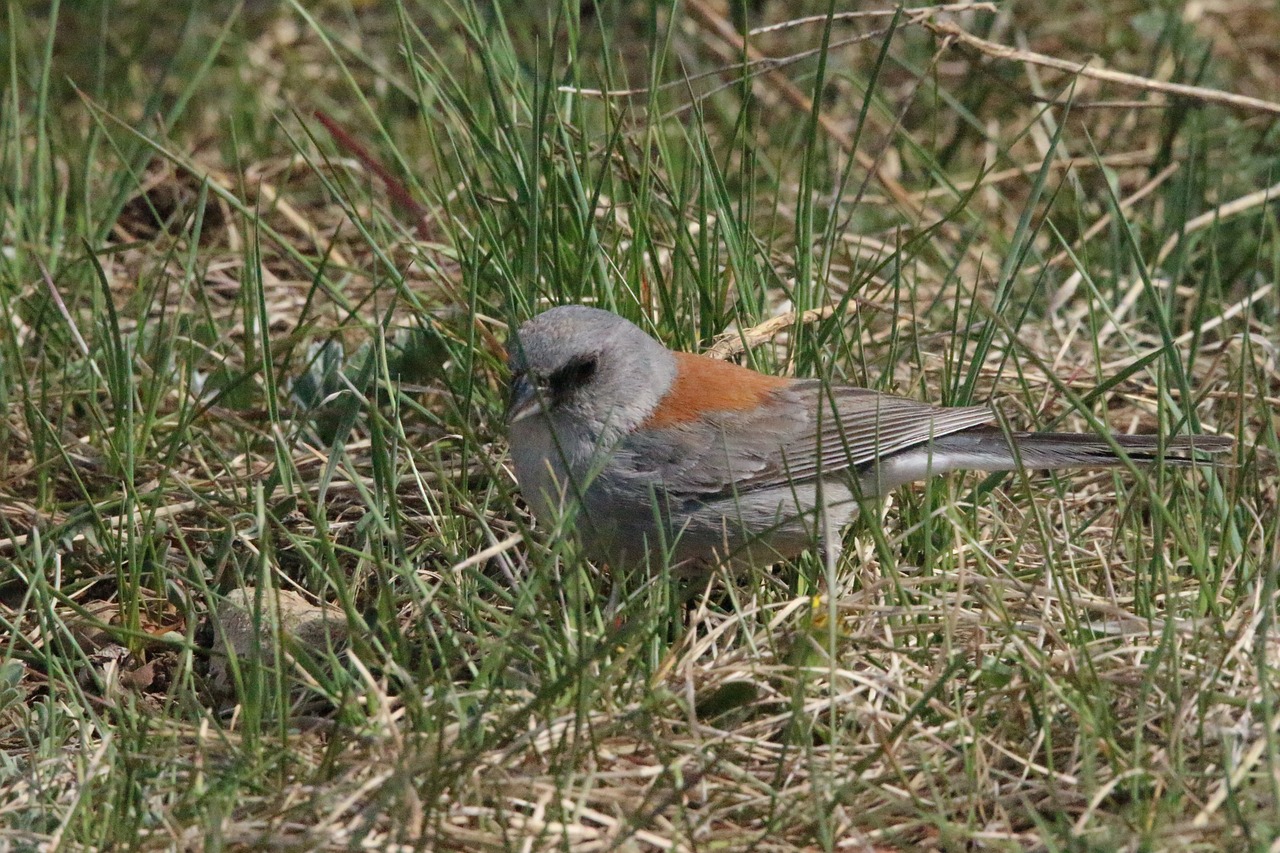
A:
245,624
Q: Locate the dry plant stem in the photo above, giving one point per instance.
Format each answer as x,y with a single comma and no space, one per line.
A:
1246,764
732,345
748,71
1228,313
483,555
81,344
1067,290
1123,206
1204,220
947,29
1128,158
1222,211
874,13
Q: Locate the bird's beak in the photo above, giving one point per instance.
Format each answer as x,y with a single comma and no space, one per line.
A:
526,399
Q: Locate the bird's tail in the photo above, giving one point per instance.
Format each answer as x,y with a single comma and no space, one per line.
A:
989,449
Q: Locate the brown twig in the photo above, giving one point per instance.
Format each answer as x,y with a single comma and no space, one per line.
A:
916,12
947,29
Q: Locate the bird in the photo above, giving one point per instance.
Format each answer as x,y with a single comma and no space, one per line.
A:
666,458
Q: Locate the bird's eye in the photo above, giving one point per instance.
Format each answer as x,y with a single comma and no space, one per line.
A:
572,376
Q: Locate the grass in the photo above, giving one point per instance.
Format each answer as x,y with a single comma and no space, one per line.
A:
232,358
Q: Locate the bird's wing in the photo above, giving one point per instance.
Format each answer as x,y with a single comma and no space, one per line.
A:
854,426
803,429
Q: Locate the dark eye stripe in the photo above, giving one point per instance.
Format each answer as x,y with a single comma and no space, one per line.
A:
572,376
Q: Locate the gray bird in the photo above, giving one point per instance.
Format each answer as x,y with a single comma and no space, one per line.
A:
670,456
